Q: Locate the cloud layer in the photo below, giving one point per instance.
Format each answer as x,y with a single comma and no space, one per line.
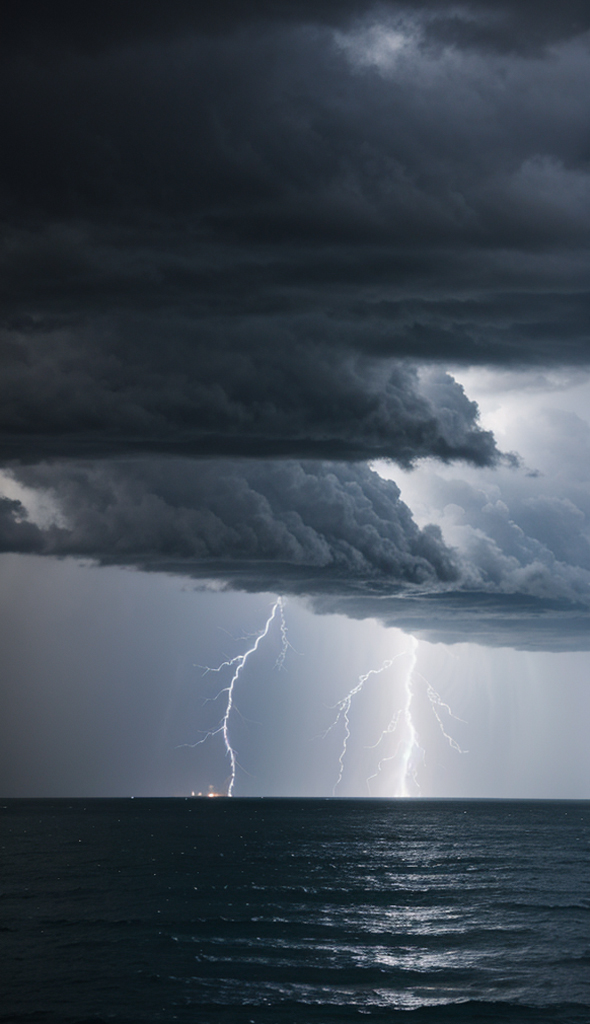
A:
334,533
69,396
222,232
284,525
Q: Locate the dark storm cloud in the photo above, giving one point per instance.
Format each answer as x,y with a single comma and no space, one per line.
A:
65,396
222,228
16,533
310,525
505,25
266,230
338,535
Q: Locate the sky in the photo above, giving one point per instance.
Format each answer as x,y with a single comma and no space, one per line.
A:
295,309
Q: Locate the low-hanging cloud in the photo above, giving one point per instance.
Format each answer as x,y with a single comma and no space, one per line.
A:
69,396
338,535
320,524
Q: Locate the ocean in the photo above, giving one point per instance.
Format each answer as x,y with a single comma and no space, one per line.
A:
309,911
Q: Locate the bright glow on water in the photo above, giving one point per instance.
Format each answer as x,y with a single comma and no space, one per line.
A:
267,910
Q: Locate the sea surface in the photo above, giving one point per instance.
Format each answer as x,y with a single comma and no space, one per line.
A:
268,910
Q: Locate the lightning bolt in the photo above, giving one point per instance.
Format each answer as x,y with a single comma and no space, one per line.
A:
437,701
344,707
237,664
286,645
409,744
408,749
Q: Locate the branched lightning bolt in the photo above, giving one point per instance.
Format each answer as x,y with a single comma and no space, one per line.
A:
409,744
388,731
437,701
344,706
402,722
408,747
237,664
286,645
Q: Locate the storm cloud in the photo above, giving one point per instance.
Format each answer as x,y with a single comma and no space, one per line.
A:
258,214
338,535
64,397
298,527
235,240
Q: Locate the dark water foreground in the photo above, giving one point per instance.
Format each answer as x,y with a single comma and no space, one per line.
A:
302,911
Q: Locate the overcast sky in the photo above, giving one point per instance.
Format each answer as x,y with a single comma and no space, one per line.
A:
295,303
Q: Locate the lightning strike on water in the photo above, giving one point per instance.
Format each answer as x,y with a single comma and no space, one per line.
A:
409,743
408,748
388,731
237,664
408,752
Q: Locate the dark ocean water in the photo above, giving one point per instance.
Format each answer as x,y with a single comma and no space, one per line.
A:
295,910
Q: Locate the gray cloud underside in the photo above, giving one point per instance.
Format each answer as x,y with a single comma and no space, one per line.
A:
478,618
222,237
311,521
336,534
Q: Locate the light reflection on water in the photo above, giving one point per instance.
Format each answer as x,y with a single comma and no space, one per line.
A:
205,903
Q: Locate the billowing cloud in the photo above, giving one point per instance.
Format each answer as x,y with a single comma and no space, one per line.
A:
16,532
297,527
267,231
67,396
338,535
